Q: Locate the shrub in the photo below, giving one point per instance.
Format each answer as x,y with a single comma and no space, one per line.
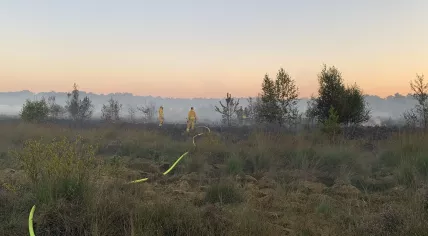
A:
58,169
34,111
331,125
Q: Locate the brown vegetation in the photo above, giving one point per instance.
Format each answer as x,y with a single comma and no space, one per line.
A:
263,183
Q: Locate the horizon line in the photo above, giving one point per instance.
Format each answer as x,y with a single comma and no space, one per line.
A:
134,95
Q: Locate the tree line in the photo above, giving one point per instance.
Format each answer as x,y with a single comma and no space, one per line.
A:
79,109
336,104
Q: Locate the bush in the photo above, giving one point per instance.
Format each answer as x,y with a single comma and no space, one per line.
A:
59,169
331,125
35,111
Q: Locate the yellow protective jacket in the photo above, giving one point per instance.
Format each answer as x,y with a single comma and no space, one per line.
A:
161,112
191,115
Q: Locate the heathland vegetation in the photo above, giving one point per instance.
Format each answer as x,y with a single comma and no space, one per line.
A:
268,170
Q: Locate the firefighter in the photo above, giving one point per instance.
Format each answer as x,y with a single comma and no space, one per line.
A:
191,119
161,118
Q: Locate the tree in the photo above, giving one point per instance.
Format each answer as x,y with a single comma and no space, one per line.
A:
252,111
55,111
348,102
78,109
278,100
287,96
330,92
311,111
355,109
269,110
331,126
418,116
131,112
111,111
34,111
246,114
228,110
240,113
148,111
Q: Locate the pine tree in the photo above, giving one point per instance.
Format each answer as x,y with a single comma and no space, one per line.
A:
228,110
79,110
269,108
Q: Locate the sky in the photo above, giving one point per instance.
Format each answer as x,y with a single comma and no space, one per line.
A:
206,48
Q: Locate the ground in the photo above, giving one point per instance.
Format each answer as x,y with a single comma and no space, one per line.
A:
238,181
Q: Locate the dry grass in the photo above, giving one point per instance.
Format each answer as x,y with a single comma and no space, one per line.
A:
263,184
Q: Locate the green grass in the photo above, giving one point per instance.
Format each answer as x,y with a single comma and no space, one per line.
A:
264,184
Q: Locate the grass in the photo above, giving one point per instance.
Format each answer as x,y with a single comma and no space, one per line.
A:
263,183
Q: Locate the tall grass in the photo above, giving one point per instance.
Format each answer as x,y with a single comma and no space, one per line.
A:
263,184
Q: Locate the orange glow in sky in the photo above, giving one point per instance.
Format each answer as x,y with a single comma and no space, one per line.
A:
208,49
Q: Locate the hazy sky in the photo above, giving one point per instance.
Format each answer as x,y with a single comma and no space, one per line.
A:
201,48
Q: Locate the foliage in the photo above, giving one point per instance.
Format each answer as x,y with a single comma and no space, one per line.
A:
309,184
348,102
331,126
111,112
55,110
252,110
131,113
355,109
78,109
240,114
35,111
269,108
287,96
311,111
418,116
148,111
58,169
330,92
228,110
279,99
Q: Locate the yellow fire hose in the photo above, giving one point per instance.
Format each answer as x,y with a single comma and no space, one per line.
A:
30,218
30,221
179,159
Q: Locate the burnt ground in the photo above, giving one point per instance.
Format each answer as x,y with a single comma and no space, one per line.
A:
177,131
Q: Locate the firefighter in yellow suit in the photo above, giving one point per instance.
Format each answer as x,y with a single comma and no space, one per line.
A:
191,119
161,119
